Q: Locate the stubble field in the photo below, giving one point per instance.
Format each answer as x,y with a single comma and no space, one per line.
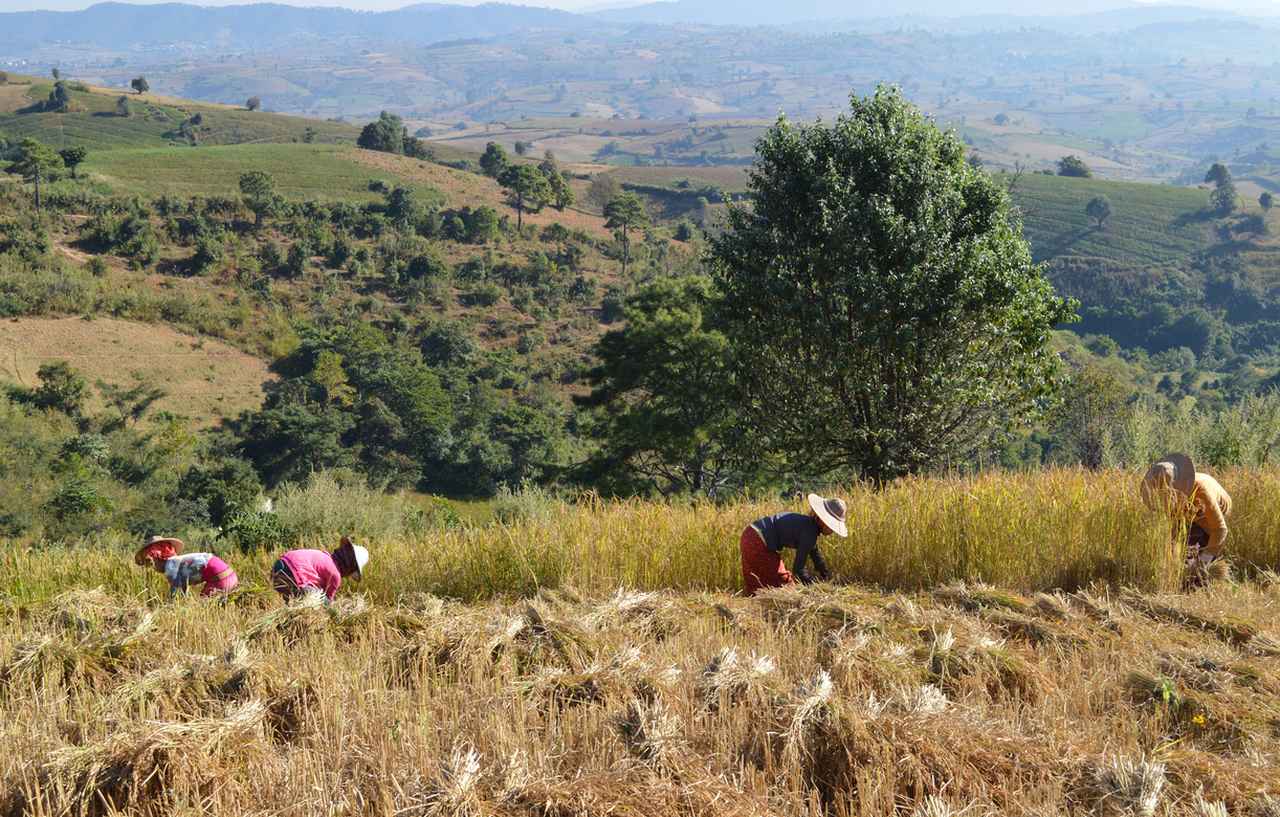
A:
589,658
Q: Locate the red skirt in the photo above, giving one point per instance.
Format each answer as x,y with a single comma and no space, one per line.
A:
761,567
218,577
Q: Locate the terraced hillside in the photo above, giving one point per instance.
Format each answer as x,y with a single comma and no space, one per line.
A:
1151,225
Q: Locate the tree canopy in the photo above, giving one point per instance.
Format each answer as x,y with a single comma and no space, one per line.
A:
258,189
527,188
37,162
882,306
494,161
73,157
1074,166
59,98
1098,209
385,134
625,213
1217,174
662,389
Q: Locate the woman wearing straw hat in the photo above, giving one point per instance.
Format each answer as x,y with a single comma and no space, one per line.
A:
301,571
181,570
1195,502
763,541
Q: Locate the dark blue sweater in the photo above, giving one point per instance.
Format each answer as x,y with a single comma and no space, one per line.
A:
794,530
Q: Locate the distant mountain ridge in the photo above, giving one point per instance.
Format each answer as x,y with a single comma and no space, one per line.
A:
771,12
123,24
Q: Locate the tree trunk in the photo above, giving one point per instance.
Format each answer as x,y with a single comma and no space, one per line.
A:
519,212
37,189
626,250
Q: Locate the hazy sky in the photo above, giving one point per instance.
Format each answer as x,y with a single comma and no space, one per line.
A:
367,5
572,5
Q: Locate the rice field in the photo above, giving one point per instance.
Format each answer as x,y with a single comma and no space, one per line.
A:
959,664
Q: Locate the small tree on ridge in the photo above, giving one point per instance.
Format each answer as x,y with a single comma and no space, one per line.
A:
1098,209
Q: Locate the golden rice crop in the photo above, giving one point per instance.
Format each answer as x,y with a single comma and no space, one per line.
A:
1042,531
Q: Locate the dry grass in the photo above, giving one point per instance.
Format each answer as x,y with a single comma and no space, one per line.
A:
822,701
206,380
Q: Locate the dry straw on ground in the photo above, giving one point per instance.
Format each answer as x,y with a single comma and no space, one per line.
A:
822,701
1017,649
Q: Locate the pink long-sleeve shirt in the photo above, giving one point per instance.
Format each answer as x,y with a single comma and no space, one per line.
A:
314,568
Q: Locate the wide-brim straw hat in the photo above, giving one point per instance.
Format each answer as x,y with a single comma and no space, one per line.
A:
1175,471
359,556
158,547
832,512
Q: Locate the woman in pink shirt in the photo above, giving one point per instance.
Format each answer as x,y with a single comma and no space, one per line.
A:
182,570
301,571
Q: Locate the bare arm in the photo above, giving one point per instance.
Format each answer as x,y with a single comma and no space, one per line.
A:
1214,523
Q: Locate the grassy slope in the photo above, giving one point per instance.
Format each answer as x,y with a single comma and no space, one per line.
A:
323,172
1150,224
155,120
206,380
302,172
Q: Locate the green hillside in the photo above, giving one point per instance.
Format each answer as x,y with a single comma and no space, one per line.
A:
301,171
154,121
1150,224
1164,277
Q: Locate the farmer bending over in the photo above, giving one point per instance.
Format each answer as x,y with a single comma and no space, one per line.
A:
1195,502
763,540
186,569
300,571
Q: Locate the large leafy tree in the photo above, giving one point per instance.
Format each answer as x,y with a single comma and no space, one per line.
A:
1098,209
61,389
625,213
349,397
1094,404
1074,166
73,157
494,161
385,134
36,162
882,305
665,415
258,189
562,194
59,98
527,188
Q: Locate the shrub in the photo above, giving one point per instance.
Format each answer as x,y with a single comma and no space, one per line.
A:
223,488
485,294
76,497
252,531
